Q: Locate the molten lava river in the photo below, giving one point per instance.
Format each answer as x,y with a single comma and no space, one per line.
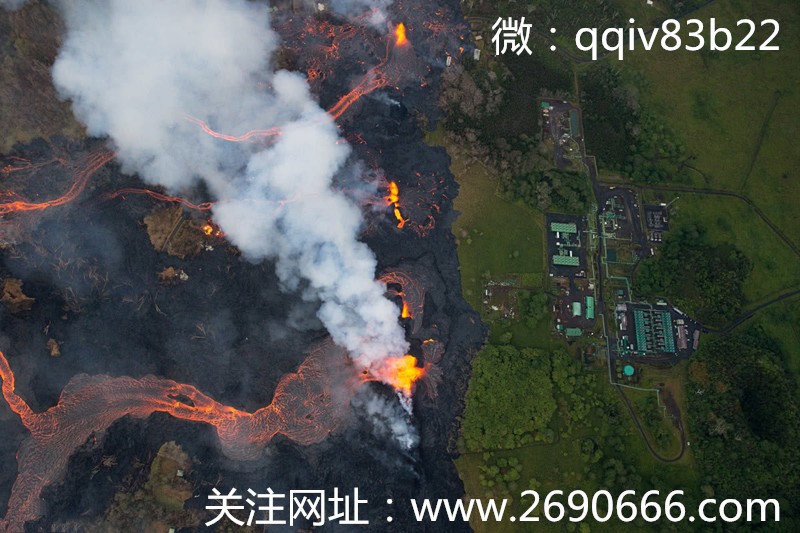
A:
111,251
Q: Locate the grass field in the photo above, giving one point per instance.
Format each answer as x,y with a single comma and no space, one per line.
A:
736,112
495,237
729,220
719,103
782,322
547,467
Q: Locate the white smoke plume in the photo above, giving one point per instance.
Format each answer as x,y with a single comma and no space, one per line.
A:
389,419
374,11
12,5
135,69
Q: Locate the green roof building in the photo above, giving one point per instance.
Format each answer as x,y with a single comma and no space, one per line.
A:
573,332
566,260
576,309
574,123
562,227
590,307
653,331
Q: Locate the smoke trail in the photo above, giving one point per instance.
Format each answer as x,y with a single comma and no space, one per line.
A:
12,5
389,420
133,70
374,10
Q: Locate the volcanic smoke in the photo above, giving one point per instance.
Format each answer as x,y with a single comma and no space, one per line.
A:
213,61
139,72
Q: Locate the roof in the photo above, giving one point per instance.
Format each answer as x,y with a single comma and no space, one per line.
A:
574,124
590,307
573,332
576,308
563,227
653,329
566,260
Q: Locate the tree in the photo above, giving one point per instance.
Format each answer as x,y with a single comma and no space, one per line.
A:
510,397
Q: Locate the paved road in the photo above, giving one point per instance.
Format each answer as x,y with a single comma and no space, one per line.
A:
716,192
679,422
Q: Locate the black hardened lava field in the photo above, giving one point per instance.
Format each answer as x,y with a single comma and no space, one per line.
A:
131,320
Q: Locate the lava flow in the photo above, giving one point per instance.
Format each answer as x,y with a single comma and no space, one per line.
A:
93,164
25,164
253,134
205,206
393,199
374,79
307,406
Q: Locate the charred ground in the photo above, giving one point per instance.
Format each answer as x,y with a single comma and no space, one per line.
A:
228,329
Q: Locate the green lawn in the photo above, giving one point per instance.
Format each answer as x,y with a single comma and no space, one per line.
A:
782,322
719,103
547,467
729,220
495,237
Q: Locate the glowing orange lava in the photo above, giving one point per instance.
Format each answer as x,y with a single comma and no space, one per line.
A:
400,38
401,373
394,194
393,199
405,313
205,206
208,229
375,78
234,138
92,165
400,220
307,406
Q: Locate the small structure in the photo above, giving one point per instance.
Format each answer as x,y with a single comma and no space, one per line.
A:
563,227
566,260
590,307
653,331
573,332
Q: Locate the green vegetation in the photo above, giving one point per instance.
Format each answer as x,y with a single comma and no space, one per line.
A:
782,323
510,400
656,422
533,307
746,420
496,238
29,105
702,279
589,444
623,136
735,111
709,120
730,221
159,503
522,79
551,190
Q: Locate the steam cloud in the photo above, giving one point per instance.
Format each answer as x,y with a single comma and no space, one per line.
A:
375,10
388,419
133,70
11,5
